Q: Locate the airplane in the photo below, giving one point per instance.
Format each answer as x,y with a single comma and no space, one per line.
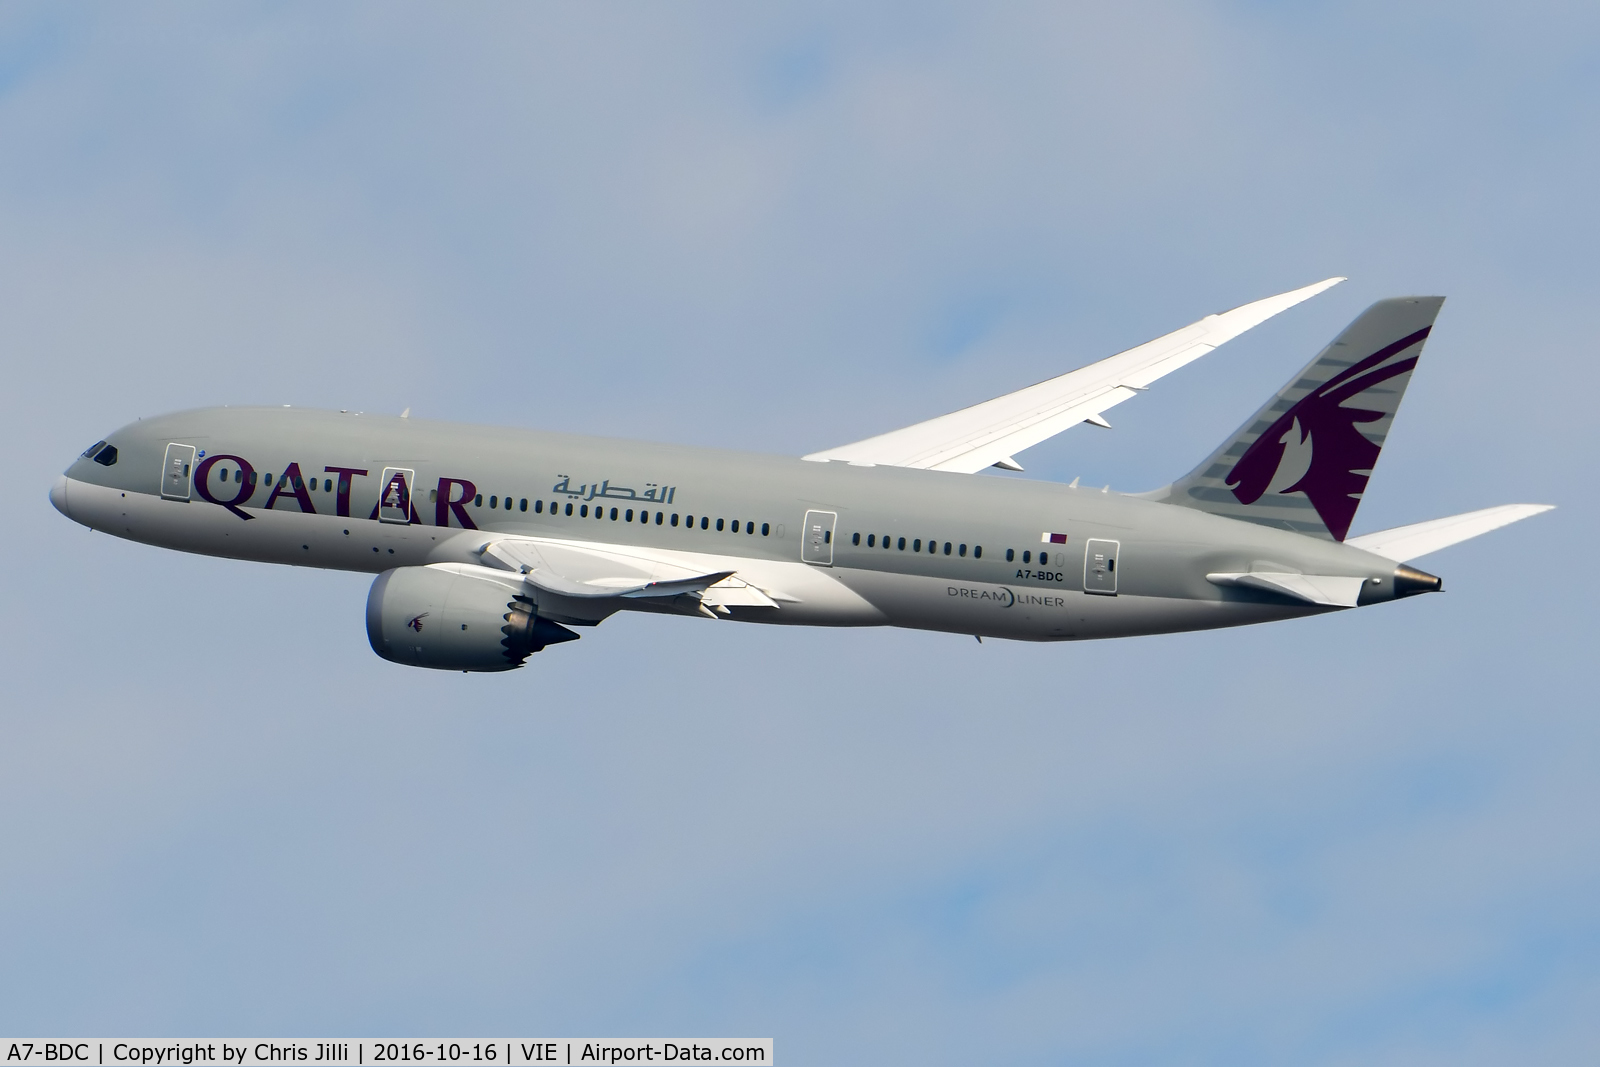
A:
490,544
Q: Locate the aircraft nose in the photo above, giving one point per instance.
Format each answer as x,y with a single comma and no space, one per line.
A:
58,495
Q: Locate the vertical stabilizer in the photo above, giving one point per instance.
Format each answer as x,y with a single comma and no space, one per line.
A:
1303,461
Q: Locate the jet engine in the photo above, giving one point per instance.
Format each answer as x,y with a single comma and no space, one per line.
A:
439,617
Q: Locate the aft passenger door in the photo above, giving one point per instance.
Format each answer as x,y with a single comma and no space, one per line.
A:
1100,567
816,543
177,472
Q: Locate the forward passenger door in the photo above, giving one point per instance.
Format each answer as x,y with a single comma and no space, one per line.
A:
177,472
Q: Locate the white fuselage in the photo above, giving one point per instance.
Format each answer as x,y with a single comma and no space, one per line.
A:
928,550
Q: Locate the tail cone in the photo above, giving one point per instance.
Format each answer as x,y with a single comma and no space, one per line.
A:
1408,581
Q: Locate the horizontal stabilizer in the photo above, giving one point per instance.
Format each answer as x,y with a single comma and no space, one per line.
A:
1411,542
991,433
1334,591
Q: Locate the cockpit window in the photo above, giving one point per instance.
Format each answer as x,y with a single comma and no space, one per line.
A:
92,449
106,456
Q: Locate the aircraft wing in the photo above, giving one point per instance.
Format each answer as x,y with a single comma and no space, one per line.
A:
589,571
991,433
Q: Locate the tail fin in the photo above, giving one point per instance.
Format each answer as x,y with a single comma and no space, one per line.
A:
1302,462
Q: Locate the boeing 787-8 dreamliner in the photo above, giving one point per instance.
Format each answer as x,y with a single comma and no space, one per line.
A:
490,544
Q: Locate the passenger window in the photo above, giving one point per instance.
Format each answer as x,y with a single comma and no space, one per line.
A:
765,529
327,485
719,526
885,540
569,511
494,502
901,544
855,539
977,551
947,548
688,522
705,522
1044,558
674,518
962,552
750,528
298,483
658,518
538,507
1027,557
522,505
613,514
733,527
477,501
238,477
916,546
252,477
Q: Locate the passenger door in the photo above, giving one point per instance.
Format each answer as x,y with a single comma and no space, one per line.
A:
394,499
177,472
1100,567
816,544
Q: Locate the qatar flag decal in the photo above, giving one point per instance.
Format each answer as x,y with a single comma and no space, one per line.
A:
1053,538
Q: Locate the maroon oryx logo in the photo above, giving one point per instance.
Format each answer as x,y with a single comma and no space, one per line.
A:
1341,456
416,622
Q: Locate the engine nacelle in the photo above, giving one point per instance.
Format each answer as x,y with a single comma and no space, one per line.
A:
438,617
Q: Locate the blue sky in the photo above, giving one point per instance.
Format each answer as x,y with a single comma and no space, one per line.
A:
1371,838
